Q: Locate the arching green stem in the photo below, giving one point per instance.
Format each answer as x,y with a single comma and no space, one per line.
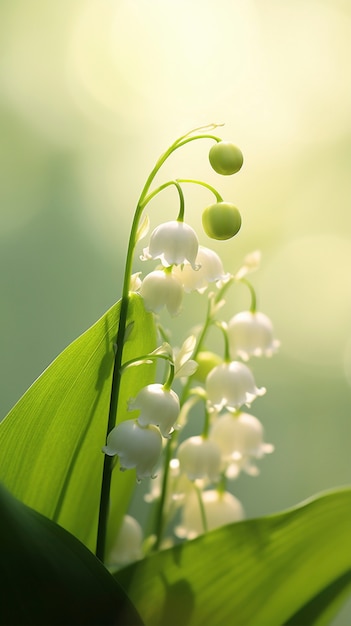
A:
206,427
202,184
116,376
146,358
154,193
253,306
223,327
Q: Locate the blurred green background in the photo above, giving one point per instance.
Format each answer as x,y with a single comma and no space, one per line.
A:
91,92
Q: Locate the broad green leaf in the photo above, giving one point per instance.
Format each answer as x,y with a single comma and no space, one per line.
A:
259,572
50,443
48,577
324,606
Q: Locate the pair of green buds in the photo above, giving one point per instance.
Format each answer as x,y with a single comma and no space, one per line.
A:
222,220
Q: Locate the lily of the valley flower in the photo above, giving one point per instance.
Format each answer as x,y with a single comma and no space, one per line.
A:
251,334
200,459
128,544
231,385
241,439
160,289
157,406
173,243
136,446
210,270
220,508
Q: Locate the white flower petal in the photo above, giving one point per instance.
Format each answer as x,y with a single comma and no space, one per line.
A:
157,406
231,385
240,438
160,289
200,458
210,269
173,243
251,334
220,509
136,447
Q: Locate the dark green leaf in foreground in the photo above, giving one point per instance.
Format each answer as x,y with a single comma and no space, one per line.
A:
291,568
50,442
48,577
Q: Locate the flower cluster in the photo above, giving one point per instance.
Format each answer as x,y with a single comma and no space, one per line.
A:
192,489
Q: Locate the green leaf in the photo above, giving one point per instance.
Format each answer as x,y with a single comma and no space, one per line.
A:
49,577
51,440
266,572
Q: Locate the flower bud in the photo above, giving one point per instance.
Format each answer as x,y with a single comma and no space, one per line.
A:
199,458
206,362
220,508
157,406
221,220
136,447
173,243
251,334
231,385
160,289
225,158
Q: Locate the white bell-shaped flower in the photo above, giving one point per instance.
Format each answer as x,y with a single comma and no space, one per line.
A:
200,459
220,508
241,439
157,406
231,385
128,544
251,334
173,243
136,446
160,289
210,271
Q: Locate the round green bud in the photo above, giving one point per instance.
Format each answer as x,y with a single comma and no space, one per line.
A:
206,362
225,158
221,220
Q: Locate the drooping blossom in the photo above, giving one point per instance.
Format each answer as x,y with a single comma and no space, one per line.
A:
251,334
199,458
210,271
136,446
240,437
157,406
220,508
231,385
173,243
160,289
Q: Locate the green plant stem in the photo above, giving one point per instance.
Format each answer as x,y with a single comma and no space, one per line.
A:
146,358
160,517
202,509
117,373
223,327
253,305
161,188
202,184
